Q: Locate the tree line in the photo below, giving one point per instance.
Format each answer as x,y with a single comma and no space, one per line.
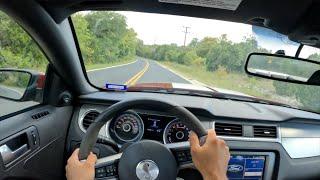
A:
105,37
210,52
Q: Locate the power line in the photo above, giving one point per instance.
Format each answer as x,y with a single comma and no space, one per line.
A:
185,34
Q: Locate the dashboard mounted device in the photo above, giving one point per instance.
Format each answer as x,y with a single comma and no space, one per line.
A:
251,165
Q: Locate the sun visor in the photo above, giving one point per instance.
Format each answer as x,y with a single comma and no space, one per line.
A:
218,4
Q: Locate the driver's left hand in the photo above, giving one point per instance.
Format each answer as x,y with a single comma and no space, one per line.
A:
80,170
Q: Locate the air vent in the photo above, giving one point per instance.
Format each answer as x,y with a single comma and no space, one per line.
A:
265,131
40,115
89,118
226,129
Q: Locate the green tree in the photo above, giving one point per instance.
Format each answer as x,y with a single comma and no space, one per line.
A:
205,45
143,50
194,43
17,49
85,37
104,37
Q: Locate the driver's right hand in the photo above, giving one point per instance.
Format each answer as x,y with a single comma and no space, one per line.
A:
80,170
212,158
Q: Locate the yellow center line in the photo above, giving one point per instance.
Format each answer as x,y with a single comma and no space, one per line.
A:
136,77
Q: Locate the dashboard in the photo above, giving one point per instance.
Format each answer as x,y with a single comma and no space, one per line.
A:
284,140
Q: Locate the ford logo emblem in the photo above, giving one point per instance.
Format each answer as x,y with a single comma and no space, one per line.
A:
235,168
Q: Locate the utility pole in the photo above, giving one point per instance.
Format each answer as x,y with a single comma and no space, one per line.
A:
185,34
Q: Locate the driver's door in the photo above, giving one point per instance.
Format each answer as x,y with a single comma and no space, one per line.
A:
32,129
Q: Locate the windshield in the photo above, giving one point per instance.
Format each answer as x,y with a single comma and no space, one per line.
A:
143,50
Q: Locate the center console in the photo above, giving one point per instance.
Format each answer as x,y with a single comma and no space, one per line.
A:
242,165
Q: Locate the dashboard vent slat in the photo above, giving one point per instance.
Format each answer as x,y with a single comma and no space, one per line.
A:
89,118
40,115
265,131
226,129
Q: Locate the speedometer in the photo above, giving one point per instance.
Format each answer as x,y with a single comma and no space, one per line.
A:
127,127
176,131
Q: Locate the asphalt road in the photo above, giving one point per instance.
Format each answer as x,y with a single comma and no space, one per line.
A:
140,71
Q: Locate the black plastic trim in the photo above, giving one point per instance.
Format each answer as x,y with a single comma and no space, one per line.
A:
298,51
20,112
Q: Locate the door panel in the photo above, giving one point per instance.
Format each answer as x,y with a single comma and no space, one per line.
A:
43,159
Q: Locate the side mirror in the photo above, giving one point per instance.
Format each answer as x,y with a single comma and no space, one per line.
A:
21,85
283,68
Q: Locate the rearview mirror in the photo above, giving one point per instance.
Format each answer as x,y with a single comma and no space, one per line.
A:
283,68
20,85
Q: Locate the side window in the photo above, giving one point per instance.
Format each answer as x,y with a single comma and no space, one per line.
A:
22,68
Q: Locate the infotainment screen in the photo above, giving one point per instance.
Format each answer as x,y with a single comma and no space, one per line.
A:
249,167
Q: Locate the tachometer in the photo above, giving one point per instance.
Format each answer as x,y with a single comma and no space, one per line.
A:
127,127
176,131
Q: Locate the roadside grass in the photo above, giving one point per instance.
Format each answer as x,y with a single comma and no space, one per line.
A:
226,80
111,63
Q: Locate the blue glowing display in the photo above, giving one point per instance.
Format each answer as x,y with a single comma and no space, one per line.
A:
246,167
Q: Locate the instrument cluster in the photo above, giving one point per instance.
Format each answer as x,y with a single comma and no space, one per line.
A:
131,126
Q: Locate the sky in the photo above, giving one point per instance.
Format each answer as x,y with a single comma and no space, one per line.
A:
167,29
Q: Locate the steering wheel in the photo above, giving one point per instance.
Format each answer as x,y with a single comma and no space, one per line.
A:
146,159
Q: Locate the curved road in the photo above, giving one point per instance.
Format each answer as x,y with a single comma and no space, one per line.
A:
139,71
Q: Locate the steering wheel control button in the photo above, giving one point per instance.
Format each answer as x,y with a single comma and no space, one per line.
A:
147,170
183,156
100,172
188,154
109,171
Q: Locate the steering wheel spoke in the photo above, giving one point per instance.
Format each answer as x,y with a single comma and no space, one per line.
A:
107,167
